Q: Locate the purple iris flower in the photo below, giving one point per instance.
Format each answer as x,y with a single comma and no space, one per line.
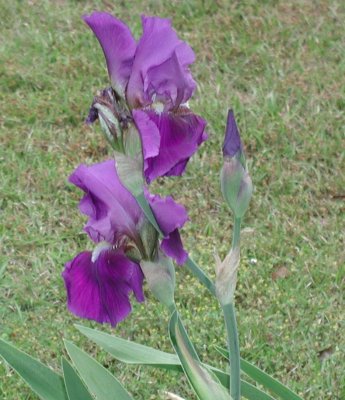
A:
99,283
153,75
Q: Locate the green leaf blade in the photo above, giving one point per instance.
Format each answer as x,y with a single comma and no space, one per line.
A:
263,378
251,392
268,382
130,352
46,383
100,382
74,386
200,275
138,354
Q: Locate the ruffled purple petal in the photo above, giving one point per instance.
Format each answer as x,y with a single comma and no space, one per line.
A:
173,247
118,46
112,210
178,169
170,216
149,133
136,283
180,137
100,290
169,84
158,44
232,141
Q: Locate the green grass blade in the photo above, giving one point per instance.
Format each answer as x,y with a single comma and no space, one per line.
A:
99,380
46,383
76,389
263,378
3,267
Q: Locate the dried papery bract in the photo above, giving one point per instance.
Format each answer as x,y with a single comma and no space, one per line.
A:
226,275
172,396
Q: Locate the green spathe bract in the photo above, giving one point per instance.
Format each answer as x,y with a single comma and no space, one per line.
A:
160,277
129,171
149,238
236,185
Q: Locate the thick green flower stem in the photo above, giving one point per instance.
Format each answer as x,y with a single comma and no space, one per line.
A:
231,329
172,308
234,350
236,233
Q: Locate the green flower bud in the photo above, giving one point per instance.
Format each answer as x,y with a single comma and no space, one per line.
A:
236,185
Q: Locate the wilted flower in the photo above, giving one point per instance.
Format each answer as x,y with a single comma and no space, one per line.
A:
98,283
153,76
236,183
111,114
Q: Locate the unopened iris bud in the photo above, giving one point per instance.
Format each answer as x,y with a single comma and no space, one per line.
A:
160,277
236,184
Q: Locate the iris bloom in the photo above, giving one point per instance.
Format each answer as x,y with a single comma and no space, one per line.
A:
153,76
99,283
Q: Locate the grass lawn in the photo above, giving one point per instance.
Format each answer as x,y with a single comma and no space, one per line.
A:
281,66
